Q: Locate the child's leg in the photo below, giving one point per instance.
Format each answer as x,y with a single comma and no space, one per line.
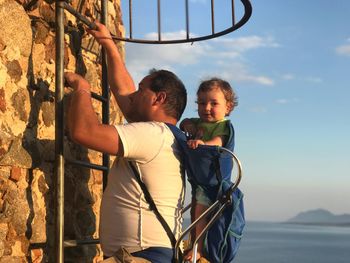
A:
196,210
199,210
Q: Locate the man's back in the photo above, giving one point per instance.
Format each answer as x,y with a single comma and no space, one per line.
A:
125,216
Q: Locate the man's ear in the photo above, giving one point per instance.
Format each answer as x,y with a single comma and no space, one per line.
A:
160,97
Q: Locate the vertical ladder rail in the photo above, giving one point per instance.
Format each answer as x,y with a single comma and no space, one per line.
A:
187,20
233,12
130,19
159,21
105,90
212,18
59,132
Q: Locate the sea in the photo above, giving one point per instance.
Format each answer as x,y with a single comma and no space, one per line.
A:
265,242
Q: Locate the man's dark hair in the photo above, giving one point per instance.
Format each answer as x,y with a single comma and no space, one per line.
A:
176,95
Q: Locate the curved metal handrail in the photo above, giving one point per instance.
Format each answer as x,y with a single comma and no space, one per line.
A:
247,14
239,168
218,205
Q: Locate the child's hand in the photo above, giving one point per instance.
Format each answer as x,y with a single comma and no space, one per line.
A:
193,144
189,128
101,34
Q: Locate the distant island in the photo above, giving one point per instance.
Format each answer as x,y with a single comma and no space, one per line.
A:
320,217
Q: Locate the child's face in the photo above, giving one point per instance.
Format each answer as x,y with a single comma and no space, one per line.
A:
212,105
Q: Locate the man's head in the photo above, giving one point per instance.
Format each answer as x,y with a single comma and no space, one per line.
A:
176,95
160,94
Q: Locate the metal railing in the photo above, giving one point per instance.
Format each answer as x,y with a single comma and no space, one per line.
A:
230,28
188,39
215,210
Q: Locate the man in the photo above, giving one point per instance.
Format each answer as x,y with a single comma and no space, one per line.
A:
126,220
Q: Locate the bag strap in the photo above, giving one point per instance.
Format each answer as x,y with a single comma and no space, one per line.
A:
153,206
178,134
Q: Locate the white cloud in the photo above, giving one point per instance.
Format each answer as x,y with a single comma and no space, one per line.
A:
246,77
314,79
223,57
282,101
142,57
236,72
258,109
243,44
287,101
311,79
288,76
343,50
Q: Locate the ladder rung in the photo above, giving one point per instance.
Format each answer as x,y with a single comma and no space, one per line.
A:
98,97
68,243
75,243
88,165
37,245
82,18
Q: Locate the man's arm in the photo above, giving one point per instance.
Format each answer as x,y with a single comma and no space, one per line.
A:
119,79
83,124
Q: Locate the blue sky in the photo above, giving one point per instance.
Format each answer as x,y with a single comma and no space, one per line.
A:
290,68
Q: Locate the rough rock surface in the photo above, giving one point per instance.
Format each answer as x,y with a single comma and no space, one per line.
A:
27,132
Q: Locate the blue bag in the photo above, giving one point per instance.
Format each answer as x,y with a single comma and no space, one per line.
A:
210,167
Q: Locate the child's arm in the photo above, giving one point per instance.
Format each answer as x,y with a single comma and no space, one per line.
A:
215,141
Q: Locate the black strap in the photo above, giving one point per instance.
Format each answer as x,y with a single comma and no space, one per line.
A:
153,206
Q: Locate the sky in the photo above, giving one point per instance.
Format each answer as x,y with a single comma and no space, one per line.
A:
290,67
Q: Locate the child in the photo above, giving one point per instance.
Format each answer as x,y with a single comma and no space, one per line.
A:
215,99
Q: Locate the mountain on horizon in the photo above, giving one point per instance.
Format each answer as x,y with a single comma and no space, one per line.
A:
320,216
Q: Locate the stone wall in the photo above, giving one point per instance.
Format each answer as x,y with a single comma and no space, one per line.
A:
27,131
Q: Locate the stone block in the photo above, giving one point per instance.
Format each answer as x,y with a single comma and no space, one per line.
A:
36,255
12,259
2,100
42,30
17,250
47,12
20,101
16,174
17,211
14,70
15,27
48,113
17,156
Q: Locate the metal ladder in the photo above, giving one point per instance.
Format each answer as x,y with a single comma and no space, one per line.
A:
62,5
60,243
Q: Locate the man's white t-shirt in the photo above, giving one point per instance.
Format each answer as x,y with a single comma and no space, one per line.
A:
125,216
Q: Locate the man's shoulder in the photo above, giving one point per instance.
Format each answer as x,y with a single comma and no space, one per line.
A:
145,128
143,124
